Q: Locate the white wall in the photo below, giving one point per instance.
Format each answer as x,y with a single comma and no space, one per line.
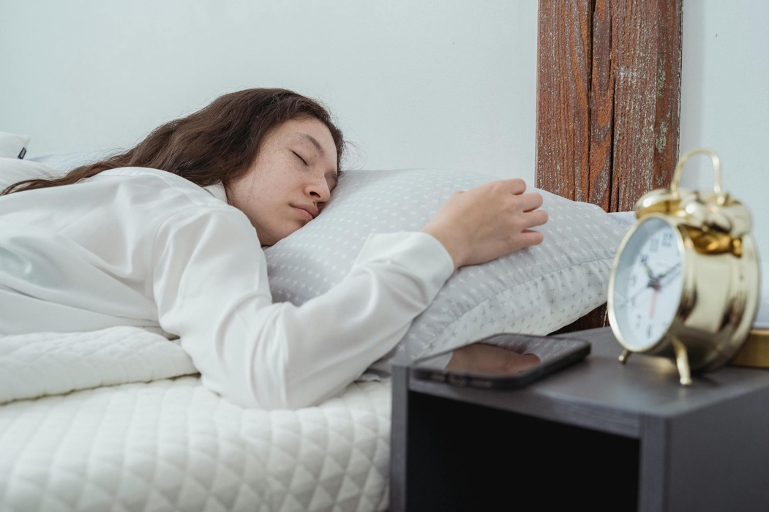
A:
725,101
429,83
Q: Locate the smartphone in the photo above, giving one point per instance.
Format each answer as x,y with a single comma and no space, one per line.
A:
502,361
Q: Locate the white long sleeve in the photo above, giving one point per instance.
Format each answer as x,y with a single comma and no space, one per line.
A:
145,248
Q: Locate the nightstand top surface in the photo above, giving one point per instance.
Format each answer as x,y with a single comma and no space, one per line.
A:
600,392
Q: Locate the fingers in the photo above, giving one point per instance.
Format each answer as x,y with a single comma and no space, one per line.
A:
535,218
488,221
531,201
528,238
516,185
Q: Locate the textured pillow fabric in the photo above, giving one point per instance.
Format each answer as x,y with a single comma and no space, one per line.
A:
536,290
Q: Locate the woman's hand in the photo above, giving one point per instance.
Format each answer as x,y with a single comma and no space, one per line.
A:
488,221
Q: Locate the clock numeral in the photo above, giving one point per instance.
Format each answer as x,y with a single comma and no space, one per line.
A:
633,280
668,238
644,258
649,330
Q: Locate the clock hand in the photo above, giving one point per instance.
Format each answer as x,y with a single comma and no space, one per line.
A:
667,272
647,268
632,297
669,275
654,283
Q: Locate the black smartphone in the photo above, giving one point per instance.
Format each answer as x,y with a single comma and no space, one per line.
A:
502,361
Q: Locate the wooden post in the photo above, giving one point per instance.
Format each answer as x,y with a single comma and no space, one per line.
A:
608,91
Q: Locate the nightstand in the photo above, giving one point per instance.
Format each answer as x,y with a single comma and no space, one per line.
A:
598,434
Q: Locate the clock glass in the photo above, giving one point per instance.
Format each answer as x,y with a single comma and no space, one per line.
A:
648,283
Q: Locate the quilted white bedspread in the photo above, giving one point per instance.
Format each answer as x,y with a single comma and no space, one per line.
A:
113,426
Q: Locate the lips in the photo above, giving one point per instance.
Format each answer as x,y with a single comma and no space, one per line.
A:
308,212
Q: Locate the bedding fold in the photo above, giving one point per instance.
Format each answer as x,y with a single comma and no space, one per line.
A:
39,364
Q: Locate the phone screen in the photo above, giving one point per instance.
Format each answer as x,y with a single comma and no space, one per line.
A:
503,360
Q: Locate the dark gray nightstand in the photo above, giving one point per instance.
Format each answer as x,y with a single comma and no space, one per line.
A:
599,435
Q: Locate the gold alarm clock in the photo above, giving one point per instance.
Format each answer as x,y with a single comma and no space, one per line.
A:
685,279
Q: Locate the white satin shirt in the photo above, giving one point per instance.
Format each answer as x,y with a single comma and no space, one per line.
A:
142,247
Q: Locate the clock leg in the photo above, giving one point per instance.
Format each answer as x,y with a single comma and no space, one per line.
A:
624,356
682,362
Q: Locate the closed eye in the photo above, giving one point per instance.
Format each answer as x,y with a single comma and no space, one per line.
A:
297,155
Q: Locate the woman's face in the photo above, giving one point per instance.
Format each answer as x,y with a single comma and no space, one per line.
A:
290,181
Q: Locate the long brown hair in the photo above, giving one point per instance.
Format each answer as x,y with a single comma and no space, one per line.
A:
217,143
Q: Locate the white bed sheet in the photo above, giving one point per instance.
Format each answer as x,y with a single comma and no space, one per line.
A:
170,444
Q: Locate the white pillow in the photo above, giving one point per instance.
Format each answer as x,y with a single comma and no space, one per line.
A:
536,290
13,170
61,163
12,145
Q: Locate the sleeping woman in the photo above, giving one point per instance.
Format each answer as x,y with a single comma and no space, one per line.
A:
168,237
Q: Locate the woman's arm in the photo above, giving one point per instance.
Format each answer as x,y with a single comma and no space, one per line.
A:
211,288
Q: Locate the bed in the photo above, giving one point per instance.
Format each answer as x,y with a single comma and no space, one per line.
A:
117,419
150,437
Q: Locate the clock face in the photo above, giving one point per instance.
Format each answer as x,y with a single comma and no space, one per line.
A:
648,284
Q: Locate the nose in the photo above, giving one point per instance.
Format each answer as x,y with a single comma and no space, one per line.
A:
319,191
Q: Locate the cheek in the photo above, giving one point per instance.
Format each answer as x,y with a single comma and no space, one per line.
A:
251,193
